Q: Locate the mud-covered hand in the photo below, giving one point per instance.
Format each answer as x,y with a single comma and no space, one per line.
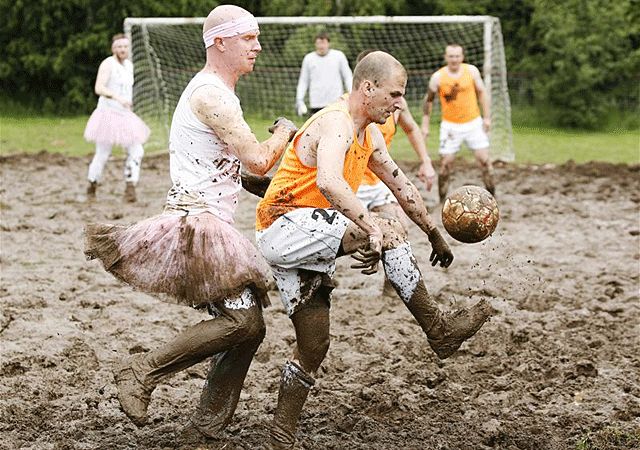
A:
441,252
255,184
368,256
285,124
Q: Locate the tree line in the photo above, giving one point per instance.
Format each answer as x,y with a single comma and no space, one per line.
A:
582,56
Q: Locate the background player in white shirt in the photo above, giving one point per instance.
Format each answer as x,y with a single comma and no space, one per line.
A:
325,73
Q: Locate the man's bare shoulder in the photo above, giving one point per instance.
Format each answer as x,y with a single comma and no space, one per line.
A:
335,121
211,102
473,69
434,81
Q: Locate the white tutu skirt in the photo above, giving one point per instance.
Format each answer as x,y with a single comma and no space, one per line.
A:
109,126
192,260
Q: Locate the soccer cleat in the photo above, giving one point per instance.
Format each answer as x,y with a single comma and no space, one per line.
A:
133,395
451,330
130,193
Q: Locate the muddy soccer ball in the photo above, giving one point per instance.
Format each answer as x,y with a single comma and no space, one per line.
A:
470,214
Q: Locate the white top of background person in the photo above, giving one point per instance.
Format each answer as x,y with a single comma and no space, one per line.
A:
191,253
325,73
113,122
460,88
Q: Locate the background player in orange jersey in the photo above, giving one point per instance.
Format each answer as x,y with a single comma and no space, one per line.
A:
460,88
310,215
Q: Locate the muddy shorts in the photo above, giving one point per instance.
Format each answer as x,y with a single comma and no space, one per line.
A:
302,242
375,195
453,134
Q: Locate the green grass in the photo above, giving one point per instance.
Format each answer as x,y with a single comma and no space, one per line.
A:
532,144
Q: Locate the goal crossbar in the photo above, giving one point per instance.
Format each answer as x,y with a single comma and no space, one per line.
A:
167,51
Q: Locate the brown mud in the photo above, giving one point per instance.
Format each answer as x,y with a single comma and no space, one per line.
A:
559,363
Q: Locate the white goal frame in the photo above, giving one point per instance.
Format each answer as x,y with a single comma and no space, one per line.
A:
491,25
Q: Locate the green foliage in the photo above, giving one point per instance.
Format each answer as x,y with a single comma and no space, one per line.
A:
53,47
583,55
588,60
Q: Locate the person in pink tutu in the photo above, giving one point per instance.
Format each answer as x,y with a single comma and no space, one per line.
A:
191,254
113,122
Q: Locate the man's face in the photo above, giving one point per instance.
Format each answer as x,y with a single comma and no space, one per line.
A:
322,46
453,56
121,50
243,51
386,97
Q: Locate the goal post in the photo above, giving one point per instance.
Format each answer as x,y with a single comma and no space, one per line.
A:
167,52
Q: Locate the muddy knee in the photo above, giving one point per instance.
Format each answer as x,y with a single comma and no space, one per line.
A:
393,231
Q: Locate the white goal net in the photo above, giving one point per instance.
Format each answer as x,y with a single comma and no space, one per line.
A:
167,52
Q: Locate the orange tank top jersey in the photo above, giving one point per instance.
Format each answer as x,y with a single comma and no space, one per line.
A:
458,98
294,184
388,130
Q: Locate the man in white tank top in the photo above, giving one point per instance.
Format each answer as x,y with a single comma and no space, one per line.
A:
209,141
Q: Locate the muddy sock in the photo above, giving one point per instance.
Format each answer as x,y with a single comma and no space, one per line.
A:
401,270
294,388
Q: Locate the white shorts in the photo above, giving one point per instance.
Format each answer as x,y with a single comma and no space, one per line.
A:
306,238
375,195
453,134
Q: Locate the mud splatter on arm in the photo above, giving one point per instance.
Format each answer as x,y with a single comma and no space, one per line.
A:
212,107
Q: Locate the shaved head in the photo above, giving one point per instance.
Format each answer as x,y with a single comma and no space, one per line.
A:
223,13
376,67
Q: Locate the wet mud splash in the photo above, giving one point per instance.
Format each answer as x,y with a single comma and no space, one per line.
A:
557,365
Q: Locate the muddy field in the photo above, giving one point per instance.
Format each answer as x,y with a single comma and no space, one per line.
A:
556,368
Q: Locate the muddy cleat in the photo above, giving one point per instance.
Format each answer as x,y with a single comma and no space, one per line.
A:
91,190
455,328
130,193
133,395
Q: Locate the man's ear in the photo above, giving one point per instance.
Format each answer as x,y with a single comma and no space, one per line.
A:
367,88
219,43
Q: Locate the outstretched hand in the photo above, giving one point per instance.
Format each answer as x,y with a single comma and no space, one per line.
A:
441,252
285,124
427,174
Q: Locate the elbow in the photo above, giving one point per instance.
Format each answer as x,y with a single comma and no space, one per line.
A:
257,168
257,165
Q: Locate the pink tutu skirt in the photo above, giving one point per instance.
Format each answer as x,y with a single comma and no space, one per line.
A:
192,260
116,127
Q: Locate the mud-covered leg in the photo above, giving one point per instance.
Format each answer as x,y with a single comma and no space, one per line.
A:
311,323
222,388
137,377
446,167
484,161
445,332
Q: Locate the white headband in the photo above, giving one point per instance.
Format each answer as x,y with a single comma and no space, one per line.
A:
119,41
231,28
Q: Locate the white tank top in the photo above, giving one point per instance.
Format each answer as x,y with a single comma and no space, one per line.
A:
205,175
120,83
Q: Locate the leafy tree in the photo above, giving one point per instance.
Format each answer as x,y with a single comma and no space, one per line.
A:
587,58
